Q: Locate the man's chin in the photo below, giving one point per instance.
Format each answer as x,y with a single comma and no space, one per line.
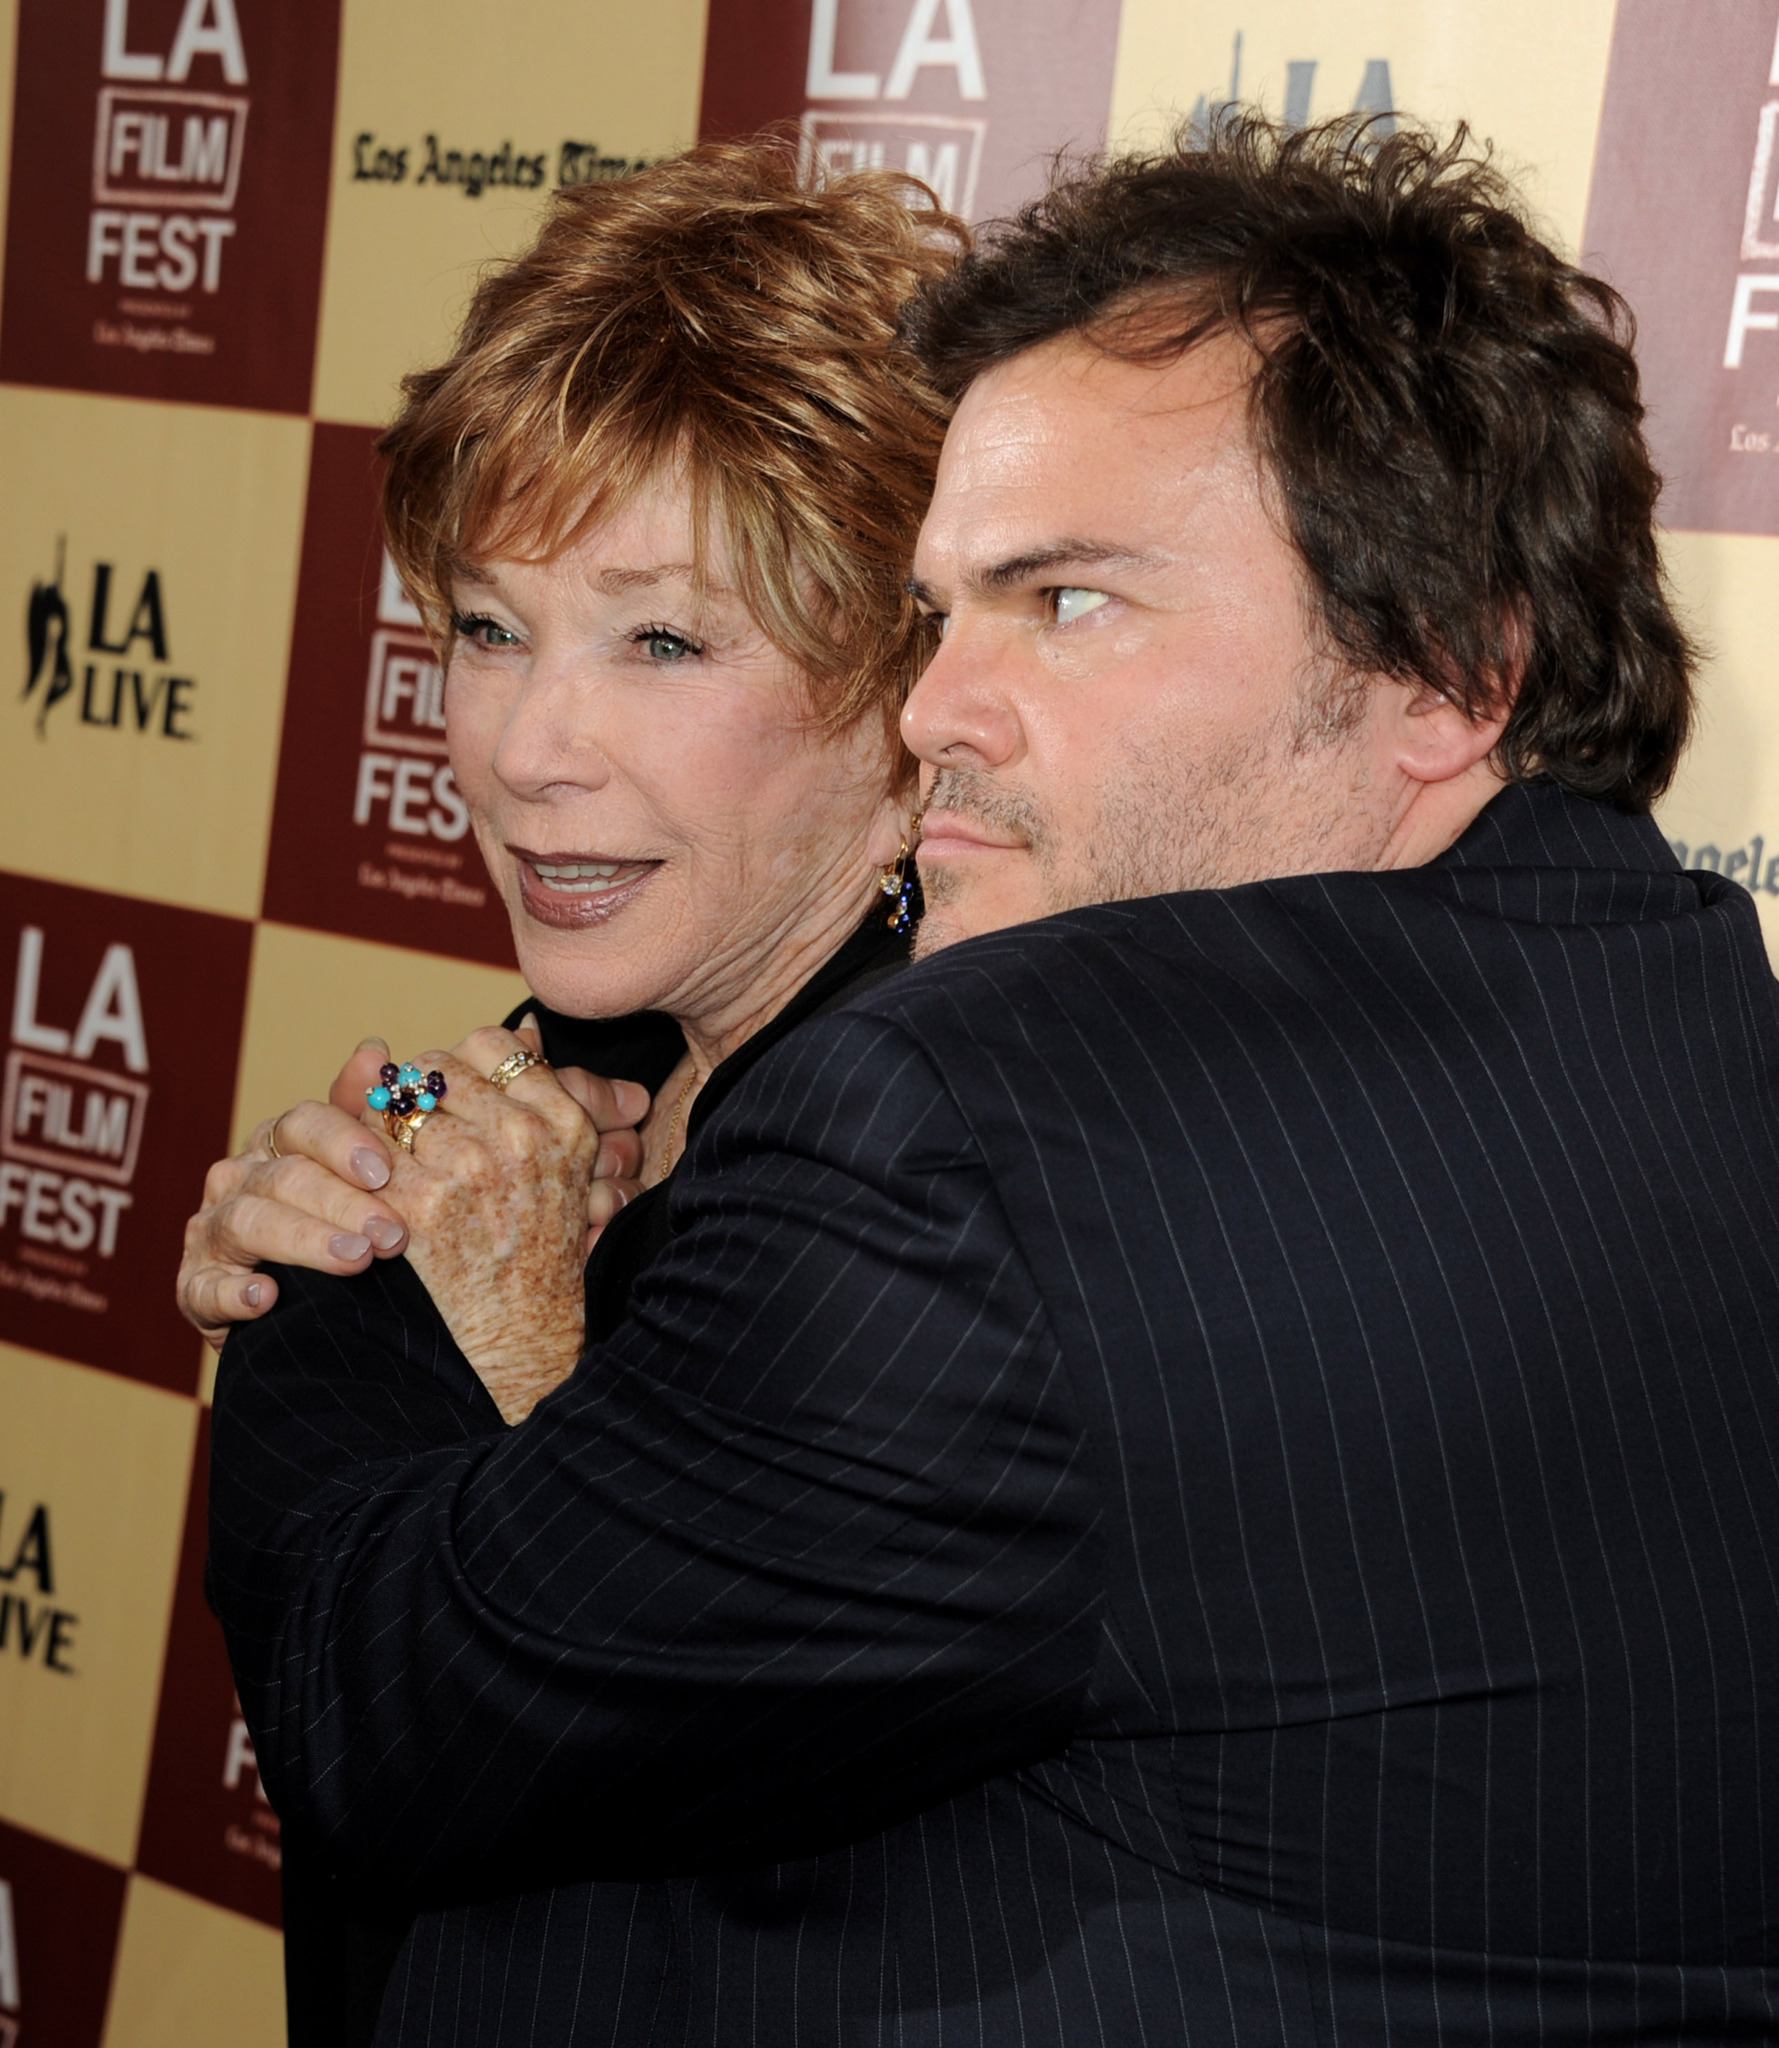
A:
947,924
965,899
934,933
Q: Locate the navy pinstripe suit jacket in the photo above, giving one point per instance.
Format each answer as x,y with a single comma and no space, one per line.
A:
1202,1471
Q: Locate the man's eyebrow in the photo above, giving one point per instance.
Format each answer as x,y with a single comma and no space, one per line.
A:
1019,569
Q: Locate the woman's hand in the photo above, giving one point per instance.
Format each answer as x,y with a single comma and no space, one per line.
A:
323,1199
495,1193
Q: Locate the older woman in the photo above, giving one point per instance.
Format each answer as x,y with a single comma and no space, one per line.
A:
657,508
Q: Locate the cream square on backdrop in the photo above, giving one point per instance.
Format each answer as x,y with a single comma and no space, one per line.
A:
1528,75
94,1469
451,131
152,551
190,1975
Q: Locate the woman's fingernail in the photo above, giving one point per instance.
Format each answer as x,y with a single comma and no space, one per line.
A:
632,1099
371,1167
347,1244
383,1234
251,1293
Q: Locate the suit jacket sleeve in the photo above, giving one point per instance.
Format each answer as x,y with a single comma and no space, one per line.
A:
805,1547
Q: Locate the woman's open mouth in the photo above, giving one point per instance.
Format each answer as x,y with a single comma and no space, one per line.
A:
573,890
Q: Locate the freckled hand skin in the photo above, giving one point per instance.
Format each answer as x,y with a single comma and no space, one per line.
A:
495,1194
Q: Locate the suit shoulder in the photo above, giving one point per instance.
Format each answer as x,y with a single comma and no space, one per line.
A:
1188,946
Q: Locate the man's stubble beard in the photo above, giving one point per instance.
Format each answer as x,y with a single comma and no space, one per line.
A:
1169,825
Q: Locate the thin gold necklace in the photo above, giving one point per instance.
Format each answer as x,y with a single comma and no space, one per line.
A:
679,1110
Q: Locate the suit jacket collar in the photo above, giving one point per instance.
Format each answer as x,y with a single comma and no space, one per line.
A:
1543,825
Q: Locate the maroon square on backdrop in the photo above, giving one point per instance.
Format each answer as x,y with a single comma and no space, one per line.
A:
369,835
116,1092
59,1916
168,201
207,1826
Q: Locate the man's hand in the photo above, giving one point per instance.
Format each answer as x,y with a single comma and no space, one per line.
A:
324,1202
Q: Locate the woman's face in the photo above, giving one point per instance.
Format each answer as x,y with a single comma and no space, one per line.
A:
667,828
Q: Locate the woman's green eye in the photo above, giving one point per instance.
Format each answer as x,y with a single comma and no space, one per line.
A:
1071,603
482,630
661,645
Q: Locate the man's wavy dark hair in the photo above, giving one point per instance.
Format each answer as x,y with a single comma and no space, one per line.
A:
1450,410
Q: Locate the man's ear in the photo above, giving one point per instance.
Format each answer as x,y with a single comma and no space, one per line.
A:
1438,739
1434,740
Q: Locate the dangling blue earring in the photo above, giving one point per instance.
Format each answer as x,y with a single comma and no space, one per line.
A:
896,880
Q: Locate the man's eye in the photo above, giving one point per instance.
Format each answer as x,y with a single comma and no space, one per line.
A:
1068,603
484,631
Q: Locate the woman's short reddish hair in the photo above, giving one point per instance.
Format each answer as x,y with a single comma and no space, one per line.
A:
726,313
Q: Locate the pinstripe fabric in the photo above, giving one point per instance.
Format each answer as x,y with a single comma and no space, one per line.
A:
1204,1471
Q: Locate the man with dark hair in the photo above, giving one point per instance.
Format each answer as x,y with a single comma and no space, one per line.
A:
1201,1467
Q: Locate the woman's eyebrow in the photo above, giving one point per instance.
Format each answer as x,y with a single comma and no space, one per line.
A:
616,581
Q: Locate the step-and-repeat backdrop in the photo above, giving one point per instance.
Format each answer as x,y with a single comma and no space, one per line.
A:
229,837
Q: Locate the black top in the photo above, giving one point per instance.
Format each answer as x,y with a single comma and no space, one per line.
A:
341,1941
1200,1470
647,1046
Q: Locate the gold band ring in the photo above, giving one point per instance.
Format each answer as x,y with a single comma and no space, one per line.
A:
403,1130
513,1066
272,1134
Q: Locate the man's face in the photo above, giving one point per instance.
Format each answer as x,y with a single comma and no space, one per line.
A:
1129,698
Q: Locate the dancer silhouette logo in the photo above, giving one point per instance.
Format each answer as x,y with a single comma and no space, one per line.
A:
123,676
46,642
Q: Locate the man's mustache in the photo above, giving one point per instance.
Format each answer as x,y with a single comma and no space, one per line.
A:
970,793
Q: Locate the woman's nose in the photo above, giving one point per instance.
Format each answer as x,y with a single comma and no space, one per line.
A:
550,739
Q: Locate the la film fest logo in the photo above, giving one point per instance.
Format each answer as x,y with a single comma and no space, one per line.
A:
943,150
70,1126
112,658
59,1915
166,168
240,1772
404,783
1752,307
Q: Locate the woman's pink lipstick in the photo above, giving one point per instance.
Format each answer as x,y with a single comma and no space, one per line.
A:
572,891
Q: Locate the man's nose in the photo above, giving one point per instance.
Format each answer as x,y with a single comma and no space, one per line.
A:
962,710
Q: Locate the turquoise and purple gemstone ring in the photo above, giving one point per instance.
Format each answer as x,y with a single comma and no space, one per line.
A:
406,1097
